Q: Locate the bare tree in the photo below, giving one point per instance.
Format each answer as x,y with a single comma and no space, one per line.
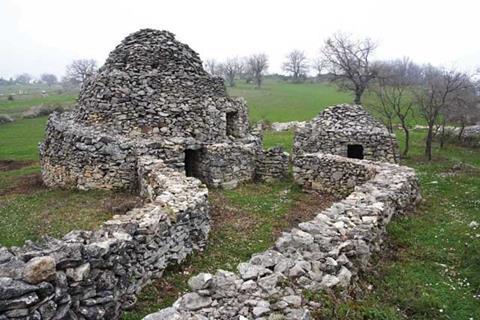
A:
463,110
393,92
348,61
257,65
213,67
440,87
80,69
49,79
23,78
319,66
232,68
296,64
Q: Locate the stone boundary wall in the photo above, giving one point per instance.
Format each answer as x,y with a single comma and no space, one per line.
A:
96,274
325,252
330,173
272,165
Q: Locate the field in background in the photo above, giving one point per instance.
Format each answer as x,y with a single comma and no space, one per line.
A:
428,270
278,101
27,96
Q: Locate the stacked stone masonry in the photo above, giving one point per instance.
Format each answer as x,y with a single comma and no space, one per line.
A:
334,174
272,165
348,131
151,97
325,252
97,274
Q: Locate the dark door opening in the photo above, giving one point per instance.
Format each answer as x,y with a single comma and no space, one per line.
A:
231,124
192,163
355,151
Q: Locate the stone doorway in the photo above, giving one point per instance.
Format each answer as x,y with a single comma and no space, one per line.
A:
232,123
192,163
355,151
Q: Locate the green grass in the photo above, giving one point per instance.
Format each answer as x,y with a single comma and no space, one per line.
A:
280,101
283,138
19,140
49,212
23,103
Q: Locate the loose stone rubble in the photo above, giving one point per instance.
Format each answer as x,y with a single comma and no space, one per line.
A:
97,274
470,135
340,127
285,126
151,97
272,165
325,252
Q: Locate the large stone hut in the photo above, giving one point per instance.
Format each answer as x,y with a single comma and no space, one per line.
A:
348,131
151,97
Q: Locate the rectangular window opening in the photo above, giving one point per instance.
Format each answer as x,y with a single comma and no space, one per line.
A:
232,123
355,151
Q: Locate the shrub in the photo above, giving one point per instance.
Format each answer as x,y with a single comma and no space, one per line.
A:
10,97
5,118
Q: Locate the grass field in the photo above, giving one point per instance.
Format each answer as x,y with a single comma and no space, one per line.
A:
280,101
430,268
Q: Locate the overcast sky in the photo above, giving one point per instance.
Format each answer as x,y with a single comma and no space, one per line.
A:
44,36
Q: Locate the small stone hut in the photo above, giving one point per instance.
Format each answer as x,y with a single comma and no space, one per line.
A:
348,131
151,97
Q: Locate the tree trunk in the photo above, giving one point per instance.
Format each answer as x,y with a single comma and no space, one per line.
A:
390,125
460,134
428,144
442,135
407,140
258,81
358,96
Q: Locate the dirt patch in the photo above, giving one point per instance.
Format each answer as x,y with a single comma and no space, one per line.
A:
305,209
26,184
224,213
8,165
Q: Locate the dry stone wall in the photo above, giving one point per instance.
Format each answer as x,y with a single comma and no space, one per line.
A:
152,84
96,274
330,173
151,97
341,126
272,165
325,252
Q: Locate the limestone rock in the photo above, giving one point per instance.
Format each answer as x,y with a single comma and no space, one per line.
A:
39,269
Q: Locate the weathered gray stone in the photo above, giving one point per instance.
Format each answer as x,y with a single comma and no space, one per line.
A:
39,269
200,281
341,126
10,288
325,252
194,301
159,102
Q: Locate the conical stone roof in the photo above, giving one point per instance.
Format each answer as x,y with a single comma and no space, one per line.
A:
347,118
151,80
